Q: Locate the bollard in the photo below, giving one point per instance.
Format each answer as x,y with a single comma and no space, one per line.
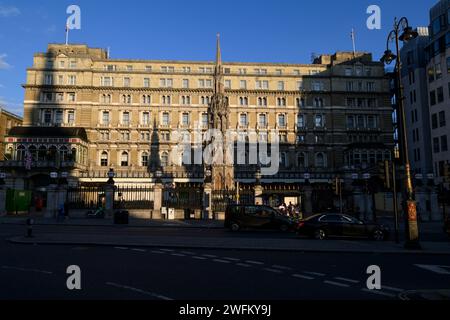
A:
30,223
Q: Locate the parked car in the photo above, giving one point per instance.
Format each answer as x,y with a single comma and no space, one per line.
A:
238,217
323,226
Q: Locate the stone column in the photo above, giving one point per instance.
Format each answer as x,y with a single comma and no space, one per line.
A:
157,202
109,200
2,200
52,201
258,194
308,190
207,202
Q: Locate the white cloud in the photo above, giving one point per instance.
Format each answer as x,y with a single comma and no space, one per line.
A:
3,63
12,106
9,11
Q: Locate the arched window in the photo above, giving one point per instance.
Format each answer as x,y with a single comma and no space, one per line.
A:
284,160
320,160
42,153
104,159
64,154
144,159
124,159
20,153
52,153
302,161
164,159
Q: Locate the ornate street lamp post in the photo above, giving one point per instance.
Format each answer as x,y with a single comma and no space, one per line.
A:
403,32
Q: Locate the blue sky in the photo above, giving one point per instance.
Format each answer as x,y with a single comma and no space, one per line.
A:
256,31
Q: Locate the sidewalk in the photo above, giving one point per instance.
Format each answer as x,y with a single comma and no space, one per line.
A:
233,243
136,223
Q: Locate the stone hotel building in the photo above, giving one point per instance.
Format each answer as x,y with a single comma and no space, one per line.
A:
85,113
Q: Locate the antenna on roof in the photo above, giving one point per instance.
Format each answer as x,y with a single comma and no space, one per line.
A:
108,52
67,34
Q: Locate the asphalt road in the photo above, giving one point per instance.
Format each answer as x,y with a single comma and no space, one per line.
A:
39,272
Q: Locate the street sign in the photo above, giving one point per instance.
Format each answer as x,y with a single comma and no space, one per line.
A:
54,175
307,176
419,176
366,176
355,176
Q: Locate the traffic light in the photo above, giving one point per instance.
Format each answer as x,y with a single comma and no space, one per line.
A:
384,173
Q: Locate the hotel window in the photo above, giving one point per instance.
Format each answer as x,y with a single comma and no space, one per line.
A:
243,119
185,84
59,117
146,118
262,102
48,116
283,137
126,98
433,97
59,97
318,102
242,71
107,81
129,68
263,120
371,122
71,117
125,136
358,71
146,82
148,68
243,101
104,159
350,122
145,136
319,123
204,119
281,102
72,80
185,119
166,83
281,85
126,118
110,67
187,69
62,64
301,160
167,100
317,86
282,120
71,97
227,84
209,83
144,159
348,72
167,69
48,80
300,138
186,100
349,86
165,119
264,84
300,85
73,64
126,82
301,102
301,123
440,94
205,100
243,84
61,80
370,86
438,71
105,118
320,160
124,159
164,159
146,99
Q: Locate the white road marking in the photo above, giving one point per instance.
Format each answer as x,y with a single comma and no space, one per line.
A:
346,280
435,268
26,270
221,261
255,262
392,288
158,252
139,250
178,255
199,258
381,293
209,255
243,265
315,273
121,248
337,284
281,267
154,295
167,250
273,270
232,259
300,276
187,252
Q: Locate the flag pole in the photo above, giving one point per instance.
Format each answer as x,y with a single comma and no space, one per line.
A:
67,34
353,41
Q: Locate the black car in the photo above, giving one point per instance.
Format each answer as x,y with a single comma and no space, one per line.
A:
322,226
238,217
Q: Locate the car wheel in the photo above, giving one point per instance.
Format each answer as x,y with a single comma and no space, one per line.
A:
378,235
284,228
235,227
320,234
